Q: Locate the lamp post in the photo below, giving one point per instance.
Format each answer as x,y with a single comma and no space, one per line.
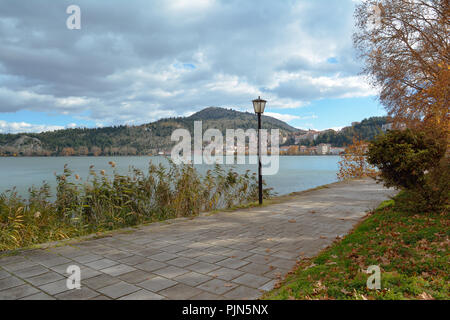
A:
259,105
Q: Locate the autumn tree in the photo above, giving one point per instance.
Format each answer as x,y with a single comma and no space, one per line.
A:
67,152
83,151
293,150
405,46
96,151
353,163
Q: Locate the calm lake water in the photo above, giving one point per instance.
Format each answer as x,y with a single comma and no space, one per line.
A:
296,173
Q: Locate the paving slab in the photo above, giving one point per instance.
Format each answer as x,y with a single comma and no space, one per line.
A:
4,274
10,282
157,283
163,256
256,268
17,266
31,271
232,263
11,259
243,293
192,278
137,276
142,295
118,290
101,264
170,272
217,286
86,258
226,255
45,278
150,265
118,270
207,296
54,288
203,267
100,281
181,262
84,293
38,296
251,280
56,261
225,273
268,286
17,292
133,260
180,291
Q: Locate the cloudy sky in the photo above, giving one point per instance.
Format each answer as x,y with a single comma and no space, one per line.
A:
137,61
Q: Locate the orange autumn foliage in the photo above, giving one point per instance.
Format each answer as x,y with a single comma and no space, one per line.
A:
405,46
353,163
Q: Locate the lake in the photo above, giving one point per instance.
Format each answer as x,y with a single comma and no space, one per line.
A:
296,173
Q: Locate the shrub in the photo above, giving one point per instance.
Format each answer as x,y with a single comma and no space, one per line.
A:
412,160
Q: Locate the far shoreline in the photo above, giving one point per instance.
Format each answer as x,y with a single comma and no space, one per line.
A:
163,156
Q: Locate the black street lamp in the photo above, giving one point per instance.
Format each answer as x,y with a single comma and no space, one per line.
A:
259,105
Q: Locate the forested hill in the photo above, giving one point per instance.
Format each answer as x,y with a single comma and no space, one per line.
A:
130,140
222,118
367,129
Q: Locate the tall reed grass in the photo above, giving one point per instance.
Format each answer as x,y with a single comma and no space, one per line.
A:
105,202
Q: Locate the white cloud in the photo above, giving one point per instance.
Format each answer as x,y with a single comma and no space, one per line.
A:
289,117
310,126
282,117
189,5
129,72
19,127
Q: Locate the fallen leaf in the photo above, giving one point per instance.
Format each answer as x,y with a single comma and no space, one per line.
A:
310,266
345,292
292,221
425,296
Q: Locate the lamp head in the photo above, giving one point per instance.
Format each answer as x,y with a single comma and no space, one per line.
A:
259,105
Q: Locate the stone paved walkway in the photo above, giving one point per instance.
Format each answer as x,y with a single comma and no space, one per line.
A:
229,255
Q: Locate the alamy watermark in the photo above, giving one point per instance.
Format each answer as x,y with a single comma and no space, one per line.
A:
73,22
374,281
74,279
375,16
210,147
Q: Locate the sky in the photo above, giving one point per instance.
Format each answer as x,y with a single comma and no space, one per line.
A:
137,61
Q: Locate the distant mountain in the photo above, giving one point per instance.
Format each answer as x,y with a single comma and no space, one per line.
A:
131,140
220,117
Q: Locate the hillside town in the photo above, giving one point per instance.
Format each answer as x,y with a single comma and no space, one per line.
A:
320,149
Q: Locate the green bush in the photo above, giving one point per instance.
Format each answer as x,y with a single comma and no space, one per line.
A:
412,160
